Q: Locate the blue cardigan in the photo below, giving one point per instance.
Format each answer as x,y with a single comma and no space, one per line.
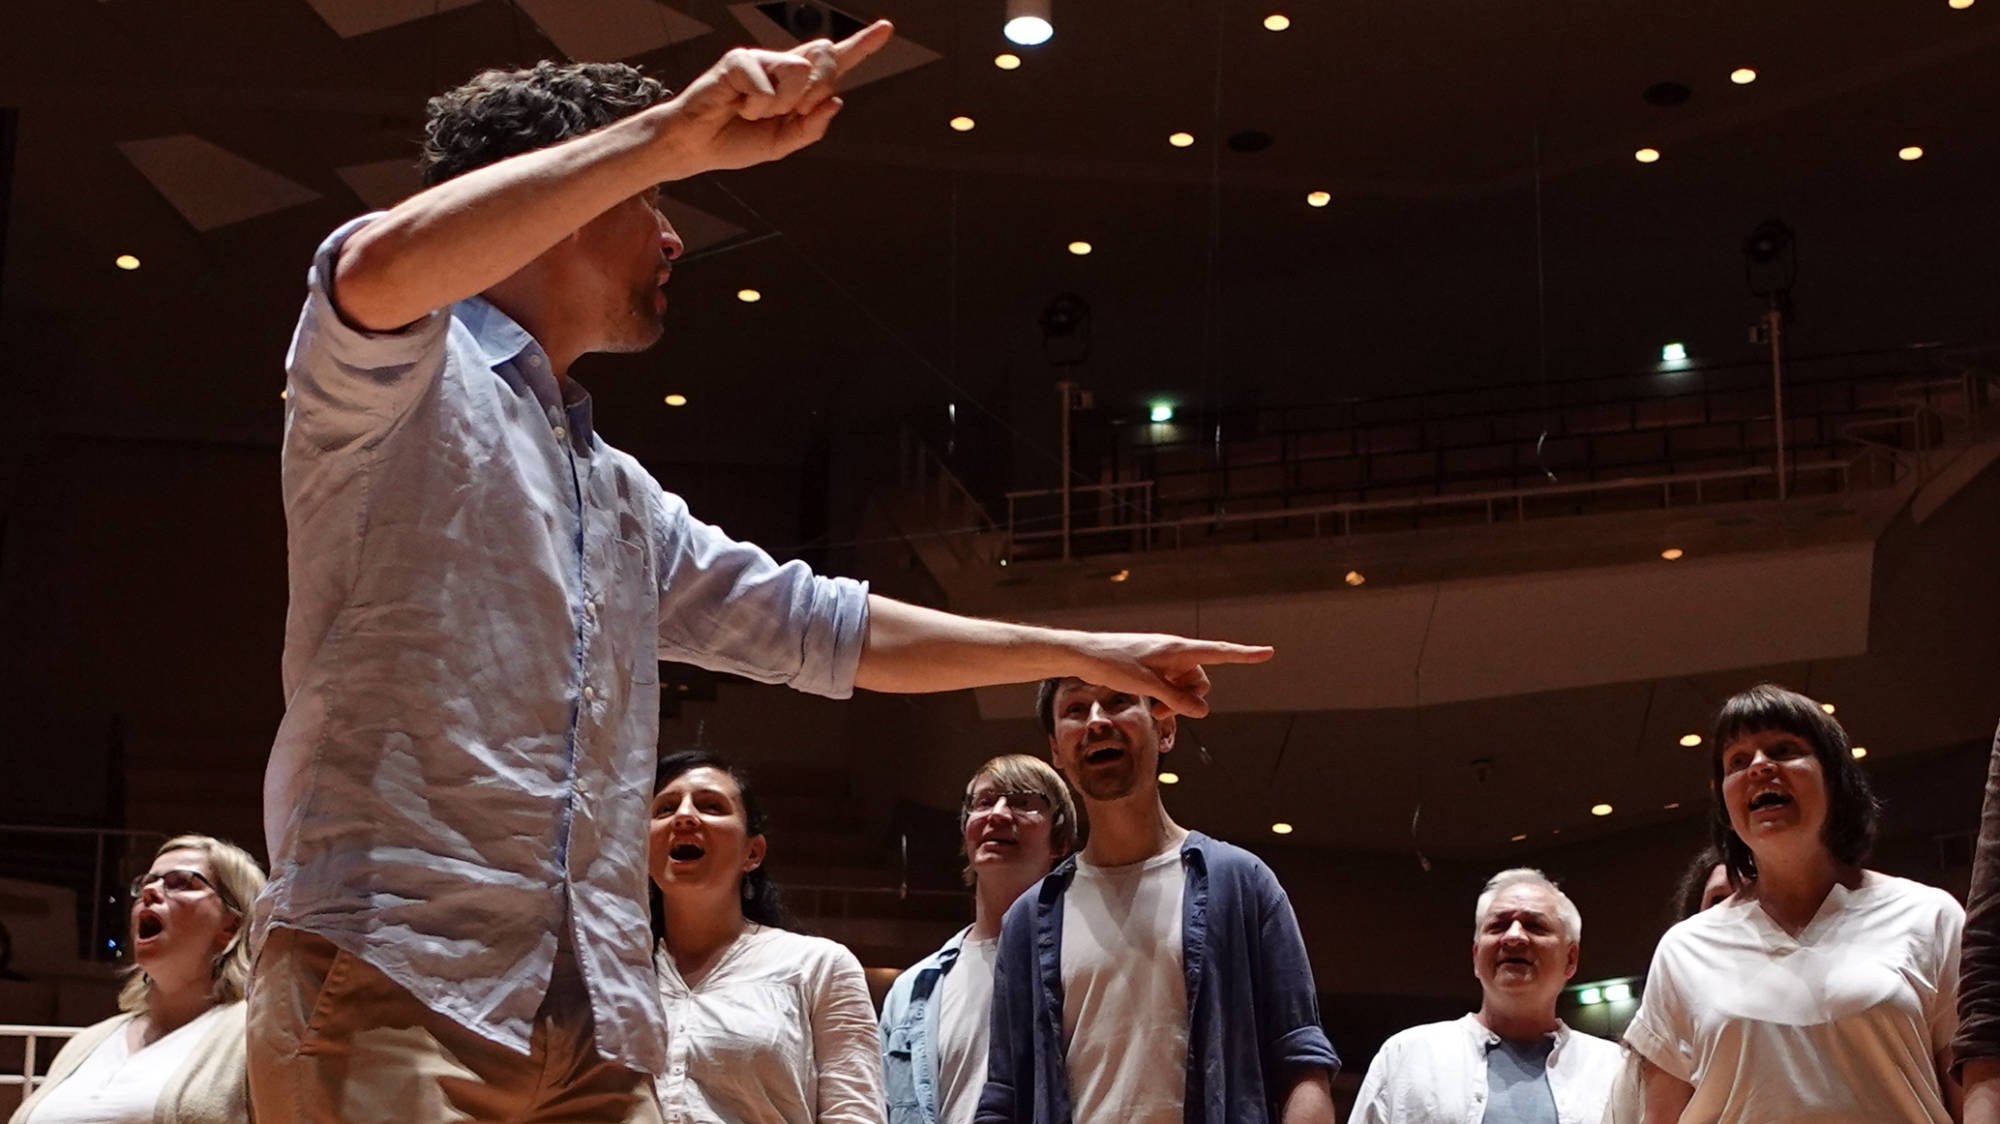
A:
1253,1014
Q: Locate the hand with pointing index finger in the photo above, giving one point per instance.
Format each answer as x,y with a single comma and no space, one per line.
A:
754,106
1165,668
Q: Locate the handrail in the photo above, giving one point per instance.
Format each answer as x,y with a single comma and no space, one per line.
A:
27,1079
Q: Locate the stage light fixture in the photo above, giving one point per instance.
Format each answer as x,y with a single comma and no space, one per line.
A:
1029,22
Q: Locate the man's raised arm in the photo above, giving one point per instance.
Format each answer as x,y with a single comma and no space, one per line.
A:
467,234
909,648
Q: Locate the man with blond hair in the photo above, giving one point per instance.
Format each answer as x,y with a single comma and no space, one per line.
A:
1015,822
1512,1061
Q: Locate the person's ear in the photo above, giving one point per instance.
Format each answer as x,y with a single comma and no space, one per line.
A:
1168,727
755,857
1570,960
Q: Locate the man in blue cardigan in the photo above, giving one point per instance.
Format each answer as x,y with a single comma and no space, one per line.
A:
1158,977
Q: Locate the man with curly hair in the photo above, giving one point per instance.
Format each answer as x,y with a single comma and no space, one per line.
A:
480,590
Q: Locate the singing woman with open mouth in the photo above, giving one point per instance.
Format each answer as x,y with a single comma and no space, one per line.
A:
764,1025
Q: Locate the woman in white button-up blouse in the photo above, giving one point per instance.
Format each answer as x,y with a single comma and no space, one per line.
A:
764,1025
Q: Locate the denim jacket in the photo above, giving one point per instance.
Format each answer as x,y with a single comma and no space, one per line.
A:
909,1035
1253,1013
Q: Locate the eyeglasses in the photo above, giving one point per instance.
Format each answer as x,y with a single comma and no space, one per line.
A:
178,880
1027,805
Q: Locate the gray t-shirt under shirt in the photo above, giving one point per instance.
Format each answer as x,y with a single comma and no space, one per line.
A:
1517,1082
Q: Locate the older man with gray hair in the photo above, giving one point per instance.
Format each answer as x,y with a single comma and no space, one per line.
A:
1512,1061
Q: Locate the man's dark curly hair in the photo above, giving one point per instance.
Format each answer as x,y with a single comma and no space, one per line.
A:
502,113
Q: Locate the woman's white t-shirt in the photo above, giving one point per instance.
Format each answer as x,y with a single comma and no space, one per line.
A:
1841,1025
119,1085
780,1031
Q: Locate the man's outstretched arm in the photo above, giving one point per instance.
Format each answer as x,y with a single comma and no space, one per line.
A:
467,234
910,649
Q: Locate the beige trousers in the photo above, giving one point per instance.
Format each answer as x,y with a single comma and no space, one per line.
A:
334,1041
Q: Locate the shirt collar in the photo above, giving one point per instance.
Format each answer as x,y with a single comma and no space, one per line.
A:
1485,1039
501,340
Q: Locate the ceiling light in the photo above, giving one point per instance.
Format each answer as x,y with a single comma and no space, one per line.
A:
1828,707
284,394
1028,22
1180,140
1671,554
1590,996
1318,198
1161,412
1743,76
1007,60
1281,828
1517,838
125,262
1079,248
1672,806
1170,778
1618,993
1673,352
1121,575
1646,155
749,296
1690,740
1277,21
962,124
1600,809
1959,5
1910,152
677,399
1859,752
1354,577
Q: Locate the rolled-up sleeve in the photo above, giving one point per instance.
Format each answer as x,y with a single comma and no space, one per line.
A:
1662,1032
728,606
1287,1001
1978,1032
348,380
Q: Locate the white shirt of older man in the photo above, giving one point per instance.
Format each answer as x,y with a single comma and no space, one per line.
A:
1437,1074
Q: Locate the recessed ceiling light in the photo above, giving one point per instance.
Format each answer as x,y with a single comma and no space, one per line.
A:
1828,707
1600,809
1170,778
1517,838
1028,22
677,399
1277,21
1079,248
125,261
1671,554
1161,412
1690,740
1180,140
1646,155
1121,575
1910,152
1859,751
963,124
1959,5
1673,805
284,394
1281,828
1007,60
749,296
1354,577
1318,198
1743,76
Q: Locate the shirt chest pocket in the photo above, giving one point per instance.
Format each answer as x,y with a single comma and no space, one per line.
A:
625,608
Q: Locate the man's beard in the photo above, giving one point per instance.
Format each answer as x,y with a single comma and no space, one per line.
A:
641,327
1110,784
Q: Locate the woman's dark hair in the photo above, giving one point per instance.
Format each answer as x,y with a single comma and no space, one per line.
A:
761,900
502,113
1851,807
1693,883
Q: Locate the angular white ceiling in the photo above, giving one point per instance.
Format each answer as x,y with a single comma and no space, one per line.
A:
608,30
384,183
209,185
349,18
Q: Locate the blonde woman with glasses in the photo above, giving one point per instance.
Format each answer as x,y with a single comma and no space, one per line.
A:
175,1054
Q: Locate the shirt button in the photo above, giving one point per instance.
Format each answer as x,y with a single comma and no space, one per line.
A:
561,433
590,609
590,694
534,360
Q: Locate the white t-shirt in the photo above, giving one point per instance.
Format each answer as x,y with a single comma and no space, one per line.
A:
964,1028
780,1031
1125,1016
116,1085
1841,1025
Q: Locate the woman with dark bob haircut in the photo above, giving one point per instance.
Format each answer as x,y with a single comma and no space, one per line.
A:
1820,990
768,1026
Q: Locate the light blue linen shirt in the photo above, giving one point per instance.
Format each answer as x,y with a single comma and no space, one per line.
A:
909,1025
481,589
